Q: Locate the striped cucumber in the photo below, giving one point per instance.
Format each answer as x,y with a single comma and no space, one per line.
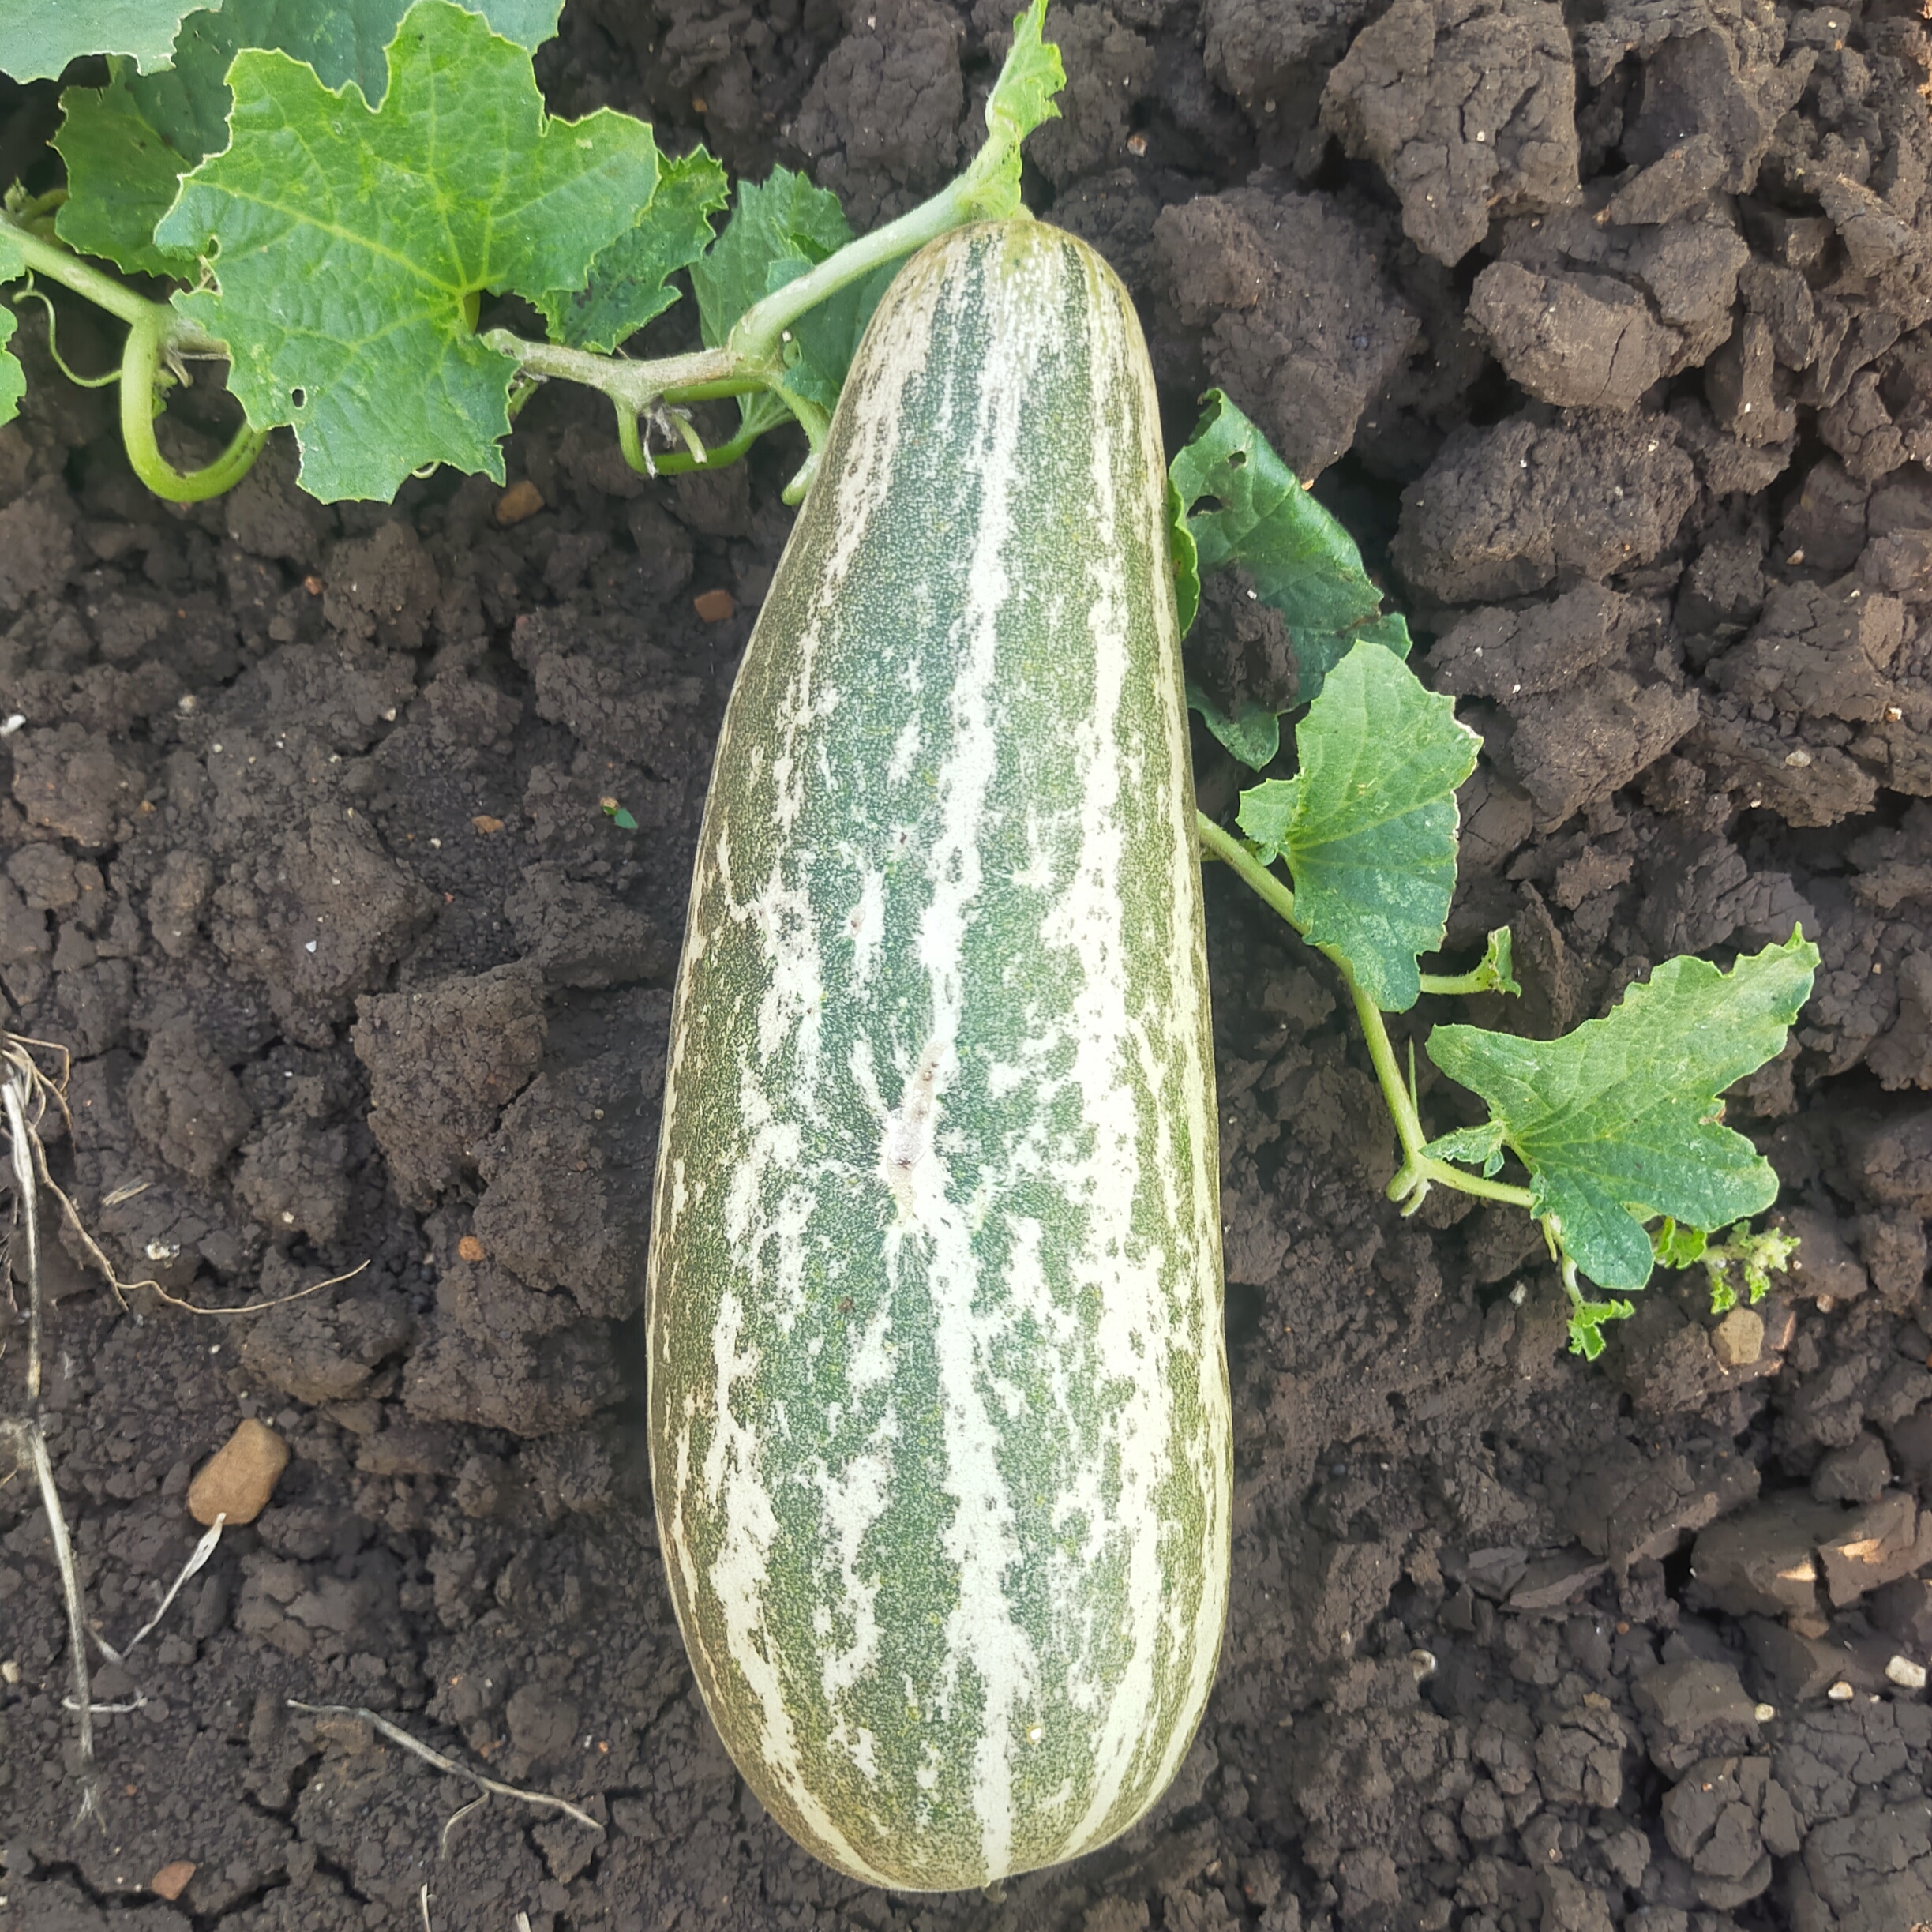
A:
938,1406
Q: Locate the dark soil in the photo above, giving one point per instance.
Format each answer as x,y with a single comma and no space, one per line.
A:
1610,330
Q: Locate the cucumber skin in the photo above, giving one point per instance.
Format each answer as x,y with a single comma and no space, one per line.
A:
938,1409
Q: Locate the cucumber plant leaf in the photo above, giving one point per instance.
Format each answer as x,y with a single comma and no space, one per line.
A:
1251,732
12,377
1368,825
780,227
626,287
1242,504
126,145
39,37
1619,1121
123,171
351,243
1184,559
827,336
1021,100
1496,967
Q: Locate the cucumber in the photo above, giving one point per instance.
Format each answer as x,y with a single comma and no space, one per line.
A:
939,1416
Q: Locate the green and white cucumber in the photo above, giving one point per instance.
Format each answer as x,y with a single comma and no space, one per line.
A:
938,1400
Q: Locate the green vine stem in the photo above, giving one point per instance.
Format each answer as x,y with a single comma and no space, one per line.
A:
1420,1170
140,368
58,263
1476,980
753,358
154,332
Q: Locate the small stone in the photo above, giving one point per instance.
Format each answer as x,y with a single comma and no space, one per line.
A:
171,1881
1841,1692
520,501
714,606
1906,1675
1738,1339
1765,1712
470,1249
487,826
239,1478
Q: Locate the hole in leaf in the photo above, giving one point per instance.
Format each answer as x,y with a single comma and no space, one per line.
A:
298,398
1237,458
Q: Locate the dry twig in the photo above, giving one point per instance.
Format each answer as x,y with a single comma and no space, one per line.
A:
23,1108
429,1756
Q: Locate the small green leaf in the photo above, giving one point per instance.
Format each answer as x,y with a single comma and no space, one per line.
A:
826,337
1473,1146
1303,562
626,287
351,242
1185,560
1619,1121
1676,1246
783,220
1021,100
1253,734
1368,824
12,377
39,37
1586,1320
1497,965
1757,1257
623,820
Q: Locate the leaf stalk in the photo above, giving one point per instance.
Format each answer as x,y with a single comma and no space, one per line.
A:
1420,1170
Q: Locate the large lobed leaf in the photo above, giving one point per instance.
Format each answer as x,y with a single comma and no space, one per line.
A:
126,145
350,243
1368,824
39,37
1619,1121
1303,562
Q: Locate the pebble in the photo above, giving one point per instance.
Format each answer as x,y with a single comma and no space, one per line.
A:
1765,1712
714,606
1738,1339
239,1478
1906,1675
520,501
171,1881
1841,1692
